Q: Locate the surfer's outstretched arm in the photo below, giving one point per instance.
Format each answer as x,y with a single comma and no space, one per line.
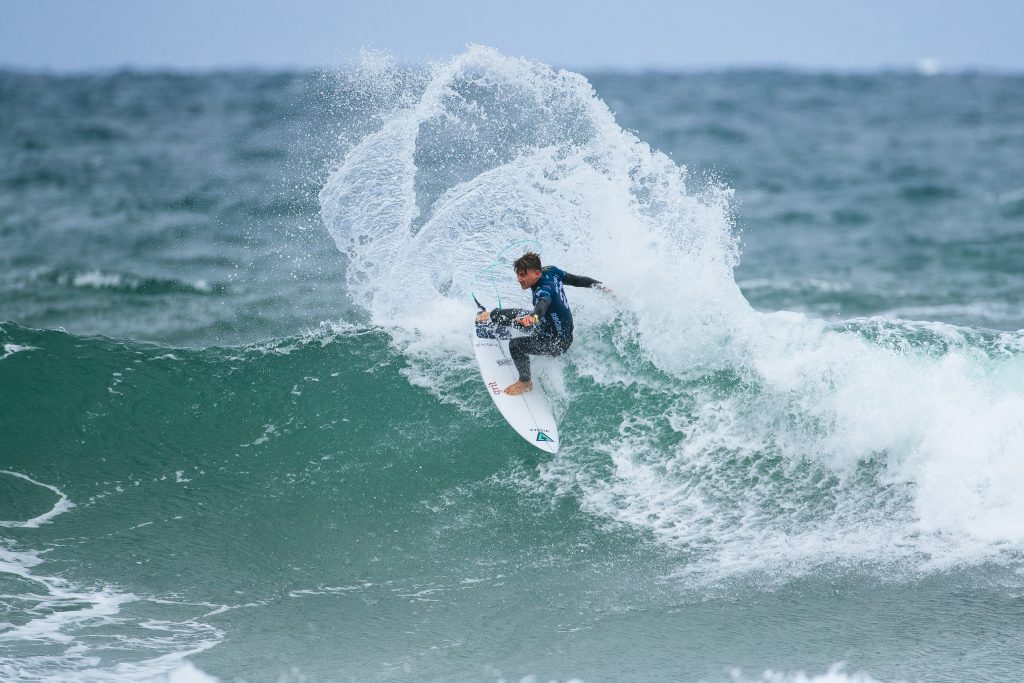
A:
583,281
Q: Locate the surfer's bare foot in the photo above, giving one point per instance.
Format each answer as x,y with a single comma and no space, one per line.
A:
518,388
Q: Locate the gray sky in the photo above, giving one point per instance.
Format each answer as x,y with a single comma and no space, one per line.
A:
75,35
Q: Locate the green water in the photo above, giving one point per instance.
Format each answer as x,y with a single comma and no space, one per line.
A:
242,435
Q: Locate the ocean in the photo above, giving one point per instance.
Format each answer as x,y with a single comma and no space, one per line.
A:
243,436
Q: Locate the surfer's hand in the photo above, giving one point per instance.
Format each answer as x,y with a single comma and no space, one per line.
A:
601,288
483,316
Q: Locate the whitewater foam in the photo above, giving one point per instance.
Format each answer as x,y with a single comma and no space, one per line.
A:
62,618
11,349
62,505
835,674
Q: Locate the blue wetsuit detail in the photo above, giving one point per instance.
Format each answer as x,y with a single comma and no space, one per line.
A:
551,305
552,335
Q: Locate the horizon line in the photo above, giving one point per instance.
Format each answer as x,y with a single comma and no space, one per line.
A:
923,67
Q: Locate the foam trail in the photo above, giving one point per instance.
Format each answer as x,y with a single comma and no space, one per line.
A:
62,632
11,349
62,505
60,612
835,674
186,673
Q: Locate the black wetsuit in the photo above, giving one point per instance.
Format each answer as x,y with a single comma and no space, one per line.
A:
551,335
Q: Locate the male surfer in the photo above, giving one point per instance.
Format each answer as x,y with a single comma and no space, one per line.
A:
550,322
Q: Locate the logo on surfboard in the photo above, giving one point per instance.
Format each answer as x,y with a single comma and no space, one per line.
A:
541,436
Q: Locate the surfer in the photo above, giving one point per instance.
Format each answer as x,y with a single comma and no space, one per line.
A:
550,321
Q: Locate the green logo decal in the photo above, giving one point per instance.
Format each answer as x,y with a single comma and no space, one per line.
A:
541,436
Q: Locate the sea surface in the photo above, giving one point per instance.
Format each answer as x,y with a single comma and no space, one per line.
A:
243,437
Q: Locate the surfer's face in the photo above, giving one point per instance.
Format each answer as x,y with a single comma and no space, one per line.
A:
528,278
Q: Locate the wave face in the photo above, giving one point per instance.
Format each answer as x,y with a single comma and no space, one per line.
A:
741,491
754,441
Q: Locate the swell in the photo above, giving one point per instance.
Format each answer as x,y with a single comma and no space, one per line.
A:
125,283
130,465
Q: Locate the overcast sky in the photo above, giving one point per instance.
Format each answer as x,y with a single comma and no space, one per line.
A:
76,35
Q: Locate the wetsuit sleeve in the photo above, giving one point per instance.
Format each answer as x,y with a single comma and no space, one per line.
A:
579,280
542,306
545,295
506,316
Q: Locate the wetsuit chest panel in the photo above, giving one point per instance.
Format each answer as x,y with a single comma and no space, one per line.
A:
558,319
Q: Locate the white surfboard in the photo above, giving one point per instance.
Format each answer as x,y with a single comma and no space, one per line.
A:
530,413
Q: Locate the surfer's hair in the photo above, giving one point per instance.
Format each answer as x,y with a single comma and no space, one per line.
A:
527,262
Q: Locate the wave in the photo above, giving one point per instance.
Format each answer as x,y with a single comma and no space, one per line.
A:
903,462
206,452
733,444
337,475
127,282
750,440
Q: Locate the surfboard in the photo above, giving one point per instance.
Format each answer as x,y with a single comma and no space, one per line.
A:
530,413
